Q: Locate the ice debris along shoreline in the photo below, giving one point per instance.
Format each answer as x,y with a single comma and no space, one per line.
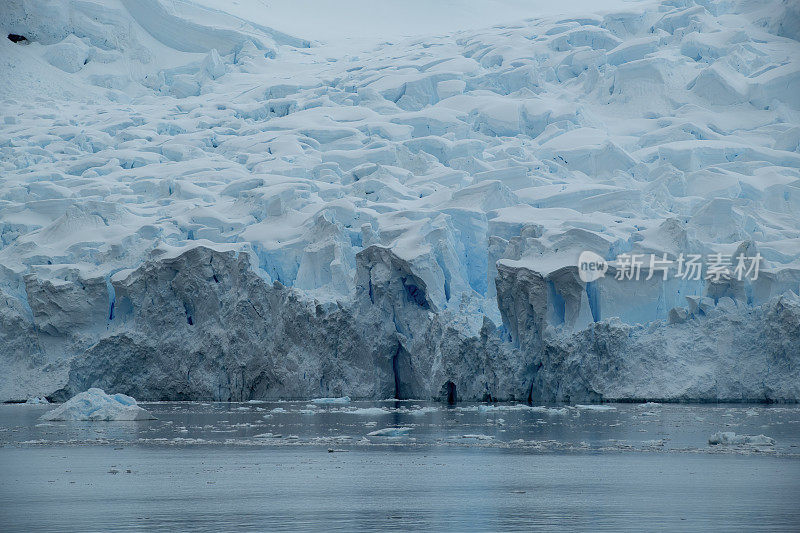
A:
198,207
95,405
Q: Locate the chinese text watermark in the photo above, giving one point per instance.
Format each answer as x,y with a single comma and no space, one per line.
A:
714,267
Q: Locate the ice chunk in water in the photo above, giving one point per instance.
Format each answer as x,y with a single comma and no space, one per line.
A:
96,405
390,432
36,400
342,400
729,438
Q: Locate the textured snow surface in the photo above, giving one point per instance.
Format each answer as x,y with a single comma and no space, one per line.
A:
195,205
96,405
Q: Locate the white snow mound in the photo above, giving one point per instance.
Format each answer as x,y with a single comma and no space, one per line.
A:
95,405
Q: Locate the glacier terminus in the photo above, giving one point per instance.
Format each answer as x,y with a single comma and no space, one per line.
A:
196,205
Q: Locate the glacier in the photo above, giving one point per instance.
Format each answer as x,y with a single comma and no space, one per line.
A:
199,203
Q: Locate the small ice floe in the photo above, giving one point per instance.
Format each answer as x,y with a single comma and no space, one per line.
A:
596,407
423,410
649,405
37,400
552,411
368,411
729,438
515,407
477,437
278,410
342,400
96,405
267,436
390,432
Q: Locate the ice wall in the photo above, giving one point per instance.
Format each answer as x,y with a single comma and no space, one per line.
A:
200,323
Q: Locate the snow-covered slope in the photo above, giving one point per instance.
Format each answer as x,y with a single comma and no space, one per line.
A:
195,205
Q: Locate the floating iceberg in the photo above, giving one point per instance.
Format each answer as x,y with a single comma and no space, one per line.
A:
267,435
368,411
596,407
96,405
37,400
390,432
477,436
729,438
339,401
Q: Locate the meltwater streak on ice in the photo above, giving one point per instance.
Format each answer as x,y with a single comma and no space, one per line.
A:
267,220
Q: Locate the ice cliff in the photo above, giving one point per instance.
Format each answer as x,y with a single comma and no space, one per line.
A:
193,205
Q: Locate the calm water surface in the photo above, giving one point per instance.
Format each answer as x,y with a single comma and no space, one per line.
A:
292,466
